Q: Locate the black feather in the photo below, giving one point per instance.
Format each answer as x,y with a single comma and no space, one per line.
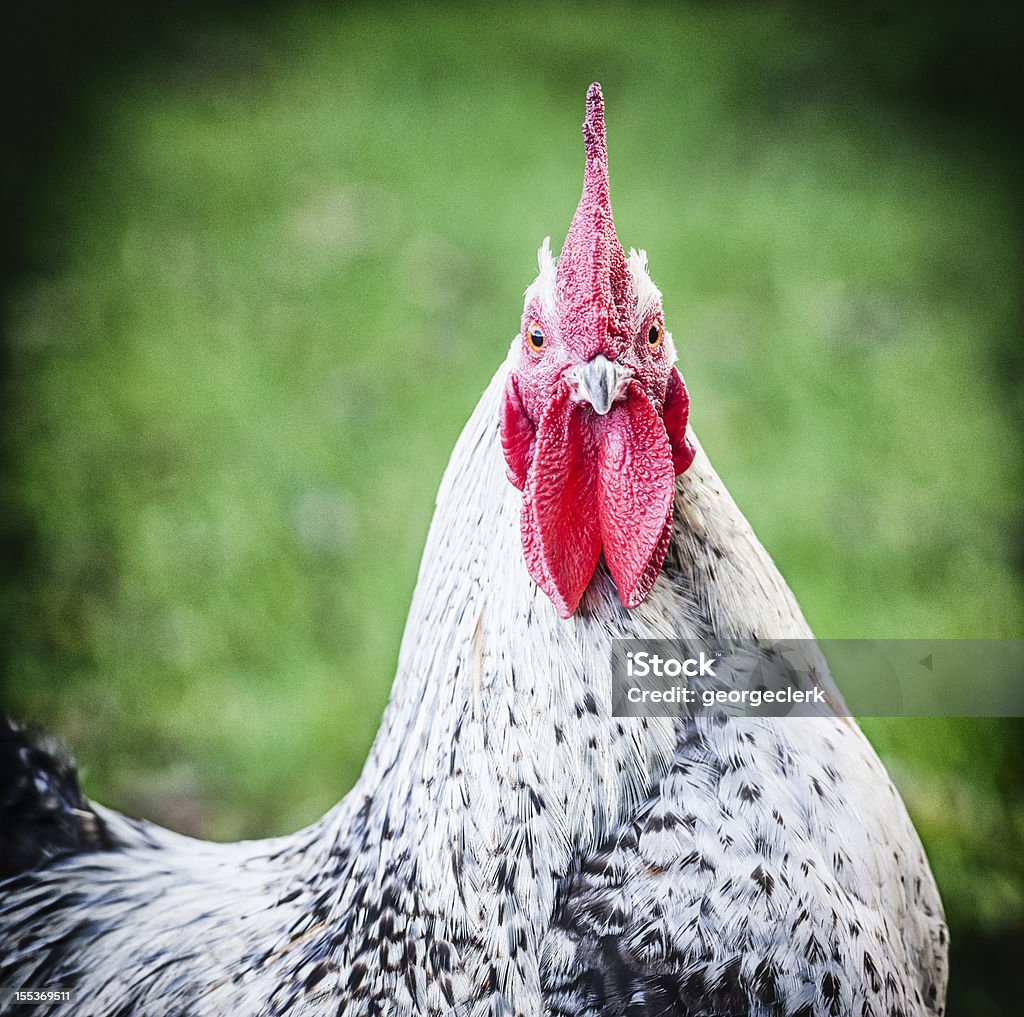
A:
43,813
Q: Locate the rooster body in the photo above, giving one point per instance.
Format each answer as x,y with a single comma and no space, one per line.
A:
511,847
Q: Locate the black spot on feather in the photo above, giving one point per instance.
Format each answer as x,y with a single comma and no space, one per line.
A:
830,992
356,976
764,880
872,973
813,950
316,975
765,982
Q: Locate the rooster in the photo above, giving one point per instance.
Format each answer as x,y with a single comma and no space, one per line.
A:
511,847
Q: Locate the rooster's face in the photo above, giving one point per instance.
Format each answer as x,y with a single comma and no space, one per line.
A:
593,423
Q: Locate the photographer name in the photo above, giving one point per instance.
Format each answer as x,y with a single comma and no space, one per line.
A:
753,698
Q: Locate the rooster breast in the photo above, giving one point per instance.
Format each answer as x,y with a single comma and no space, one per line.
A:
773,869
745,885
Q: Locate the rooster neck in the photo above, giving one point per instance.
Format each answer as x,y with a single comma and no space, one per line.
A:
497,759
498,763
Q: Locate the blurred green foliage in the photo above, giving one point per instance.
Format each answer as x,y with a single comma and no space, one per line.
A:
284,254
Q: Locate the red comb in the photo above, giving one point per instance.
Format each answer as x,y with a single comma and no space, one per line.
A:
593,279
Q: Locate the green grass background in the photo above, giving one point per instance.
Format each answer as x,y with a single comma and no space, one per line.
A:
281,254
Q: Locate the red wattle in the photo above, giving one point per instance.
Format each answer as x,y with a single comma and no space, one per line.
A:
517,435
636,486
598,483
675,415
560,527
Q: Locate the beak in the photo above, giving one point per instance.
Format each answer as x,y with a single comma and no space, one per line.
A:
599,382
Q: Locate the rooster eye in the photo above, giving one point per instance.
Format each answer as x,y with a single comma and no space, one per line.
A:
655,335
535,335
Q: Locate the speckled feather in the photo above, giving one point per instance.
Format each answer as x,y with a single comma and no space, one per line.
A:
510,847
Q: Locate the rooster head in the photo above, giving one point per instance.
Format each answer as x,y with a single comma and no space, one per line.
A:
593,420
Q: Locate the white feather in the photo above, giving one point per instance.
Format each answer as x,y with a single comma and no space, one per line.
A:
542,289
648,296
